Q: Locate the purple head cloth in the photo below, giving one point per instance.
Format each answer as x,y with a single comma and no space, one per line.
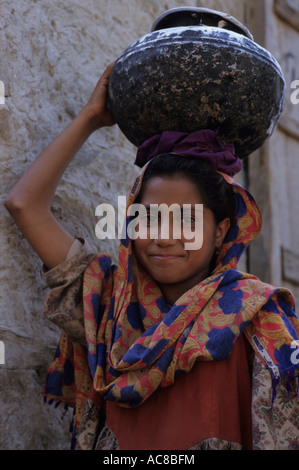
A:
204,144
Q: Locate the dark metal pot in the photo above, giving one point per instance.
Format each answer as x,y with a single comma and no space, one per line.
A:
198,69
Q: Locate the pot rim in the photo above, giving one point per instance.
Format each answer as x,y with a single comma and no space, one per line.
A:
204,38
222,16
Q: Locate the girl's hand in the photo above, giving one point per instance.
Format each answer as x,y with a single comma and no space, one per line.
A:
97,109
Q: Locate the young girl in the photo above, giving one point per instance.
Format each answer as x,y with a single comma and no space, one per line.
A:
174,348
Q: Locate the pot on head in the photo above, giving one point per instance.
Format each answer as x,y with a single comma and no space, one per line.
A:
197,69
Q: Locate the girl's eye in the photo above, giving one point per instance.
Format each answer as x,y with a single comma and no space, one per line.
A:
188,219
147,219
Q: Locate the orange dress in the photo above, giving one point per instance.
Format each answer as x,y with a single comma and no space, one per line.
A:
212,401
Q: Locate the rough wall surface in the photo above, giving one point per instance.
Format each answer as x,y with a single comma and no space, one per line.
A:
51,57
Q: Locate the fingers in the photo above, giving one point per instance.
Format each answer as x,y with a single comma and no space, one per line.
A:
110,66
97,104
107,71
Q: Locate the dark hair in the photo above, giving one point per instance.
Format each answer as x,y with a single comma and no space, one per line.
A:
216,193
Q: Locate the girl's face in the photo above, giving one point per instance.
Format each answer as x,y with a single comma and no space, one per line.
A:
166,260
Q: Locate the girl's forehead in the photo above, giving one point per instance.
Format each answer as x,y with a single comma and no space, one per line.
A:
173,188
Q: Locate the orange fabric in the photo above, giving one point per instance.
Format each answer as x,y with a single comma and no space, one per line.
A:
212,400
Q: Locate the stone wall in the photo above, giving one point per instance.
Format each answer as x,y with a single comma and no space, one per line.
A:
51,57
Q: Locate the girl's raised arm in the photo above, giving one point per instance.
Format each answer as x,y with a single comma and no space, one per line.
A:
29,201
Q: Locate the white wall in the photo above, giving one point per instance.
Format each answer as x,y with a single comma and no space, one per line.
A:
51,56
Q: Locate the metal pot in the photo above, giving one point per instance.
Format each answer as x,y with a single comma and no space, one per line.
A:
197,69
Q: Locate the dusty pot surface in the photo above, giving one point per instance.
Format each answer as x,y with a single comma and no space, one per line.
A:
201,76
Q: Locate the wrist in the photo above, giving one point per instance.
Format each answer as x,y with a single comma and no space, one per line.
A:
90,118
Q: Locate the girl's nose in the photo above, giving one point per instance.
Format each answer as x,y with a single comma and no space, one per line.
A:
166,235
164,242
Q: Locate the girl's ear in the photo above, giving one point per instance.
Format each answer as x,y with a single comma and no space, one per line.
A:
221,232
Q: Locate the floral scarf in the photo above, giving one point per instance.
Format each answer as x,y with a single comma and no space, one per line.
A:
136,344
